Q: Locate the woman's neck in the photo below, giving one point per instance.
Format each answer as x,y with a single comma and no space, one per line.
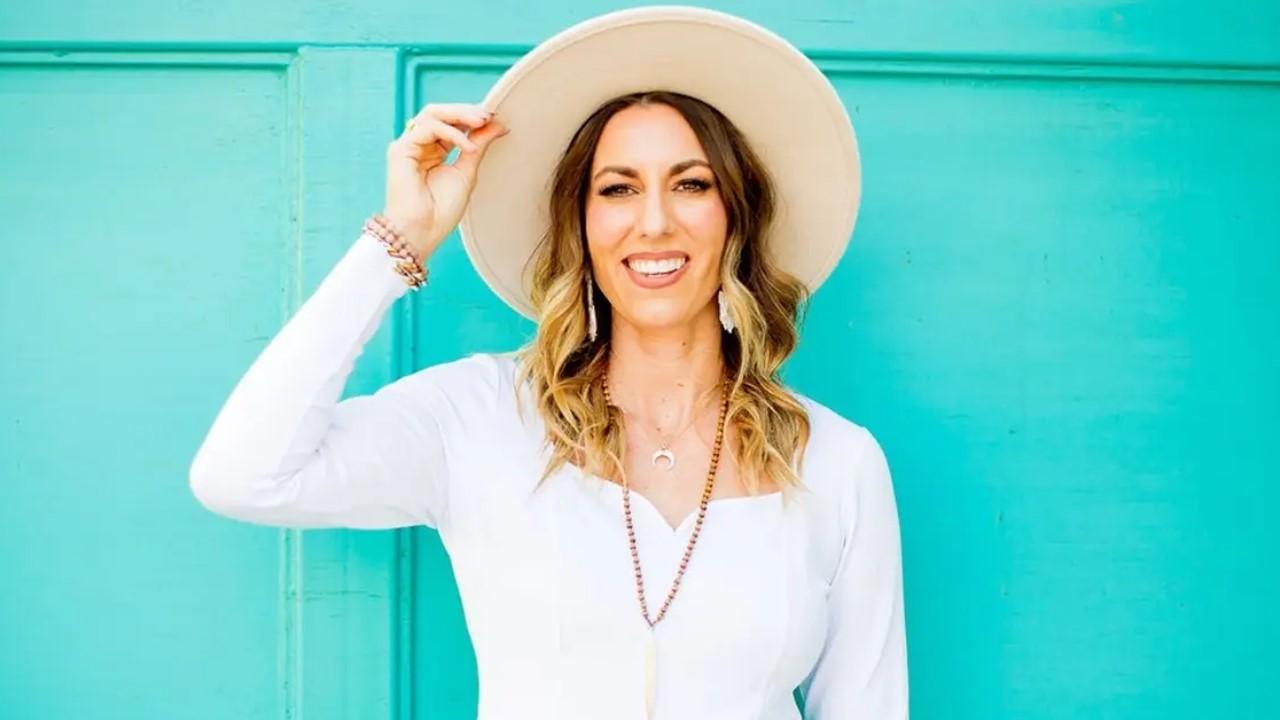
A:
664,376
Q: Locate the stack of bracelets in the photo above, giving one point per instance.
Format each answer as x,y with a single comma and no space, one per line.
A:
410,267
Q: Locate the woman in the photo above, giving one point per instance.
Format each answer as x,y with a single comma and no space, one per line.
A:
572,481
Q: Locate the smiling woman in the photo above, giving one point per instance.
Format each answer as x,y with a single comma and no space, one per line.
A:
679,239
667,289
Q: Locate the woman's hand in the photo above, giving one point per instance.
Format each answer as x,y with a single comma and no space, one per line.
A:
425,197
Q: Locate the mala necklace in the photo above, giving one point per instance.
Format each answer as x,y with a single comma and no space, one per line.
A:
650,651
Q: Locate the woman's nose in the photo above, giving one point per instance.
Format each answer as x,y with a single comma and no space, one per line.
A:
656,221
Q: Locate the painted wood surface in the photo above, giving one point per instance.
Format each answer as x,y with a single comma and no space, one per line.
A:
1058,315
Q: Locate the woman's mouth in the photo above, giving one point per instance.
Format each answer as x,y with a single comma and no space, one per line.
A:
656,272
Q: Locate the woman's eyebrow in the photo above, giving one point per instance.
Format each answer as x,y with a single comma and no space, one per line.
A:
633,173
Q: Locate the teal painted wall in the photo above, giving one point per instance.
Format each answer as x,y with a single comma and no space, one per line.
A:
1058,315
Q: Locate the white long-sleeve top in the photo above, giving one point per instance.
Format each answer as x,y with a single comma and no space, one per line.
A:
779,594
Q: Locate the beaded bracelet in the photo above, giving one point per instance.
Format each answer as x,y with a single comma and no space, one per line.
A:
409,267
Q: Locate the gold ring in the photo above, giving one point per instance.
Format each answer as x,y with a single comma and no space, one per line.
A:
408,127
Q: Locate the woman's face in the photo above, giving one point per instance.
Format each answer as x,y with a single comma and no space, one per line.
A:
655,222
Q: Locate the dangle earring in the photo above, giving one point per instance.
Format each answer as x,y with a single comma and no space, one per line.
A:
725,321
591,309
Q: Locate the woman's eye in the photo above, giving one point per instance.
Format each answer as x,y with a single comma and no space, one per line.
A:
696,184
611,190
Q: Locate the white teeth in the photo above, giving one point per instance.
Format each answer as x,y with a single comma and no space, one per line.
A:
656,267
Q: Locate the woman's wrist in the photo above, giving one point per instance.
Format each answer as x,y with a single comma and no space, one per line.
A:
411,261
416,234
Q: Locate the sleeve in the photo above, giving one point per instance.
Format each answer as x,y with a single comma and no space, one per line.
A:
861,673
283,451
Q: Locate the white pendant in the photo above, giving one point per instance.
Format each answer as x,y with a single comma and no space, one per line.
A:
650,672
668,455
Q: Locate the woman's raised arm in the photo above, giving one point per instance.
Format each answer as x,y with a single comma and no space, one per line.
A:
283,450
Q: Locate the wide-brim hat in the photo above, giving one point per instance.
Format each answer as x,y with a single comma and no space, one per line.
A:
784,106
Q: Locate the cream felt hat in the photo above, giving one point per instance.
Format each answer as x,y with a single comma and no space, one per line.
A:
784,106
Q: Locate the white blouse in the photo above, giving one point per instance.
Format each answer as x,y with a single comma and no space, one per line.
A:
804,593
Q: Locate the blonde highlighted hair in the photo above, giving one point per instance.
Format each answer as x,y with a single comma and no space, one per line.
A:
566,370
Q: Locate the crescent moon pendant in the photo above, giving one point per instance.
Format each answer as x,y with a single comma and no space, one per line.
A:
667,455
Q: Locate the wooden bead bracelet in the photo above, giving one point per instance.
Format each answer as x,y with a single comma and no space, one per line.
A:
409,266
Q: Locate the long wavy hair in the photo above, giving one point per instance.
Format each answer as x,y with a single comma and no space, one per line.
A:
566,370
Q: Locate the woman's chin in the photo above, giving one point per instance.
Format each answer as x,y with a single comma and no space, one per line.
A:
657,315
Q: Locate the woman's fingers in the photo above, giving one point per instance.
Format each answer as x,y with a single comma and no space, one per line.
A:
451,115
428,131
469,161
438,128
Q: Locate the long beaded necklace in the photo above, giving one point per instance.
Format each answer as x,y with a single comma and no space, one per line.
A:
650,650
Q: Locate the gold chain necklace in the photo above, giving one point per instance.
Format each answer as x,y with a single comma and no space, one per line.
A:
650,651
664,451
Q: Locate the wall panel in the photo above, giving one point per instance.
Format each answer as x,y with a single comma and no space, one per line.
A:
118,248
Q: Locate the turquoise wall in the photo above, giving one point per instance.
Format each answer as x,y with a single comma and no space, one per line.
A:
1058,315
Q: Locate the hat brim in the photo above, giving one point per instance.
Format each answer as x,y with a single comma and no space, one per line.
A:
784,106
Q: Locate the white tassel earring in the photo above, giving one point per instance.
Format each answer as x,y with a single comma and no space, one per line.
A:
725,321
591,310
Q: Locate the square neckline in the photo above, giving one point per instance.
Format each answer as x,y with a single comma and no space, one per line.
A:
691,516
